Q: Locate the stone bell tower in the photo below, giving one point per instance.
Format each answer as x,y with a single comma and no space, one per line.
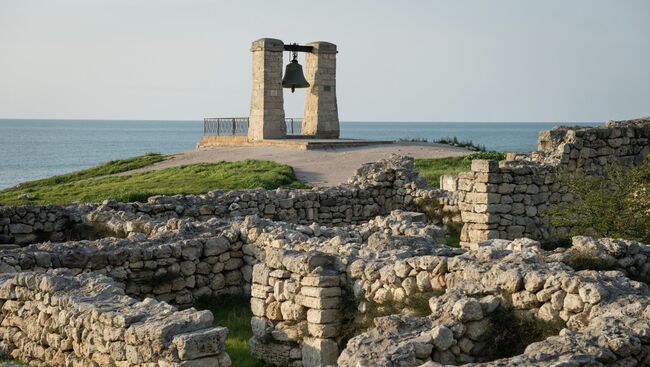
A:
267,119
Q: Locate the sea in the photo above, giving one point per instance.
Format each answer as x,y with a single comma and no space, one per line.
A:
33,149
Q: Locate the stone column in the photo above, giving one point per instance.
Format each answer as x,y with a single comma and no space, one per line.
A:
321,111
266,119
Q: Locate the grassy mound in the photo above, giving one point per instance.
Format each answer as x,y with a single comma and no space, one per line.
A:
432,169
92,185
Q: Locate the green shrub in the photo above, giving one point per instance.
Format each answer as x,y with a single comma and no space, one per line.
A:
615,204
460,143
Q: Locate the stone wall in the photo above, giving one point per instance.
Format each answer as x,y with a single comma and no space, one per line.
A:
376,189
508,199
188,262
30,224
296,303
630,257
58,319
604,314
313,282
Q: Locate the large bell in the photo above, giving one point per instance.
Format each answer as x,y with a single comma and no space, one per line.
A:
293,76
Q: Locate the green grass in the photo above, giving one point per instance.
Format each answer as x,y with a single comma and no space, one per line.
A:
92,185
453,239
233,312
432,169
108,168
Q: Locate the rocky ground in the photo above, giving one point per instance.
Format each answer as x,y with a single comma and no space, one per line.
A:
365,290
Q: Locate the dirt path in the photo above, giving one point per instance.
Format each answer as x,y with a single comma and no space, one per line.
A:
325,167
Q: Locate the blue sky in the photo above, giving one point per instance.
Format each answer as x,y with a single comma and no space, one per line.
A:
500,60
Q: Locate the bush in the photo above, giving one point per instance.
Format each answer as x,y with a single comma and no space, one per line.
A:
616,204
460,143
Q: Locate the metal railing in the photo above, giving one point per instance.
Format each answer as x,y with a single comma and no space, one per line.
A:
225,126
294,126
229,126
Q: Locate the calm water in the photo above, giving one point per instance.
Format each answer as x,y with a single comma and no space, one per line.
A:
32,149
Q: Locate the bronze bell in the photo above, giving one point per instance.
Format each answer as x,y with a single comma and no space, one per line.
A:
293,76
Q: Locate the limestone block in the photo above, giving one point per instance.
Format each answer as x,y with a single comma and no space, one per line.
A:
201,343
328,316
320,291
323,330
319,352
258,307
467,309
320,281
318,303
442,337
216,246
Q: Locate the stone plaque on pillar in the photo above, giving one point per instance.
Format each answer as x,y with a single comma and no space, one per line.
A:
266,120
321,118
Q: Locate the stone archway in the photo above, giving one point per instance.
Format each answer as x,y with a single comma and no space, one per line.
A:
267,117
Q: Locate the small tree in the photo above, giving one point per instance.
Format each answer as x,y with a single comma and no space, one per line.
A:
616,204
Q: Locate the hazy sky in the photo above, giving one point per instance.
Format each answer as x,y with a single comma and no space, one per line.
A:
454,60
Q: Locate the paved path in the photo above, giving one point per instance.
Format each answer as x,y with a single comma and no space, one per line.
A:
327,167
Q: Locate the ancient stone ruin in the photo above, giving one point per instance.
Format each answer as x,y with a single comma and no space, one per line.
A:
353,275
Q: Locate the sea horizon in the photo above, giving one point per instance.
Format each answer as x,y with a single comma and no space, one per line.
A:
39,148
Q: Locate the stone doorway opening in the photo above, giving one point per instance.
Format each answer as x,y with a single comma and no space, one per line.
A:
233,312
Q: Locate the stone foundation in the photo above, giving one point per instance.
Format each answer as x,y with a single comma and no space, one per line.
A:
63,320
606,315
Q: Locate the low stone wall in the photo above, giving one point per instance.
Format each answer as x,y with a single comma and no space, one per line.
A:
605,314
508,199
630,257
58,319
186,263
31,224
376,189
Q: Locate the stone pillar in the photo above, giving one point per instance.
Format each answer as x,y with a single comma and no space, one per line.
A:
266,119
321,111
